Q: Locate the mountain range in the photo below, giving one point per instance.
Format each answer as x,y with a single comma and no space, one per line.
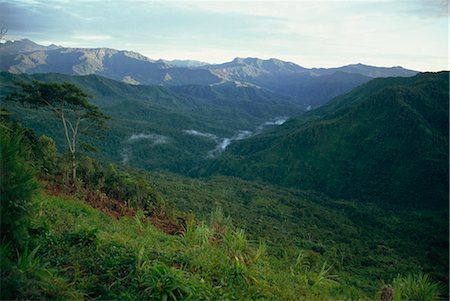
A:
341,175
285,78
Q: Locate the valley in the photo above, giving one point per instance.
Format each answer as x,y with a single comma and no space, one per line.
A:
247,180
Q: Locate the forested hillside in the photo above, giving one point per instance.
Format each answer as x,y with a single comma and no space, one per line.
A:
115,233
154,127
386,141
76,225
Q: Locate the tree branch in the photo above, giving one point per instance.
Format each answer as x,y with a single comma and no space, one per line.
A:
66,131
74,137
51,107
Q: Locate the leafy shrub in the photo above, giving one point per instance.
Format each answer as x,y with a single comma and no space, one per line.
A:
46,155
83,237
130,188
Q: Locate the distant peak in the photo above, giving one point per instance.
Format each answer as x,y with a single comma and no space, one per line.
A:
27,42
359,65
246,60
21,41
238,60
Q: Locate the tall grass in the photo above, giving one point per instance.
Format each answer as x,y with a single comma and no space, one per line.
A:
323,278
167,284
197,235
218,222
235,241
416,287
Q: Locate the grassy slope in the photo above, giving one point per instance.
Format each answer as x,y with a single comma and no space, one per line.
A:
363,241
129,259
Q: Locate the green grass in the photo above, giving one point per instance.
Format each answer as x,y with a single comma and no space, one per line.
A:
76,251
363,242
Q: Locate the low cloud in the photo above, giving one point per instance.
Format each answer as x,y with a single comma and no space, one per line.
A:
240,135
219,148
126,154
201,134
155,138
225,142
276,121
127,150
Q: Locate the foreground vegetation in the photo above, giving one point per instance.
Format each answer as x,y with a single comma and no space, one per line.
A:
113,232
59,247
364,242
130,259
63,248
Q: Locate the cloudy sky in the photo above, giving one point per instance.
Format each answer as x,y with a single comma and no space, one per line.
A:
409,33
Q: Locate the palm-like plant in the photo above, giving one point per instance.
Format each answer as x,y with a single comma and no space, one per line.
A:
416,287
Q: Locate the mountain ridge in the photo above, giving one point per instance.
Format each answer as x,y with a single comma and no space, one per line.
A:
275,75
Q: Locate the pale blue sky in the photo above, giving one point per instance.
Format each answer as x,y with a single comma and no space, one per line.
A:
410,33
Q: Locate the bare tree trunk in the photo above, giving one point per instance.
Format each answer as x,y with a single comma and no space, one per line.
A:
74,168
74,141
71,143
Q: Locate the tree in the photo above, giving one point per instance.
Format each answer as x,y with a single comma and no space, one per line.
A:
17,184
70,105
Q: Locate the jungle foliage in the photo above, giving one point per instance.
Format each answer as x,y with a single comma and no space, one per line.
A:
386,142
127,234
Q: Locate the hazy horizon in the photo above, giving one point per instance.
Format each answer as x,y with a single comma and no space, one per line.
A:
411,34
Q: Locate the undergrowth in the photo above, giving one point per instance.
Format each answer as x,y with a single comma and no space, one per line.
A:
76,251
100,238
